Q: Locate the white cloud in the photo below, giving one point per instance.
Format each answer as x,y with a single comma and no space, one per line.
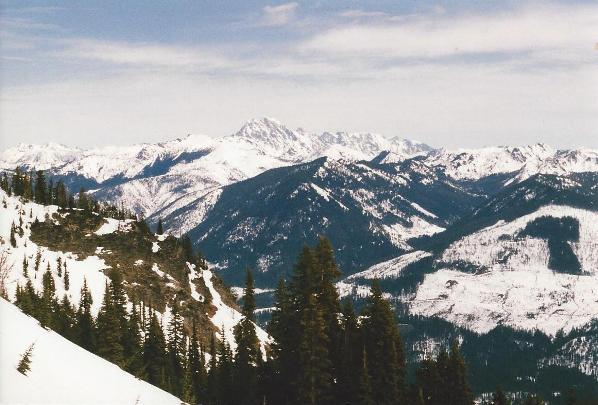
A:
279,15
143,54
432,36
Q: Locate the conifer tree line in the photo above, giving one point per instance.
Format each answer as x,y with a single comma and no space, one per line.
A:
34,186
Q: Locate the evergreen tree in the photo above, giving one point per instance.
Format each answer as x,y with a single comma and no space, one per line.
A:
66,279
61,195
38,259
25,266
18,186
110,331
328,301
212,378
196,371
460,392
248,349
41,192
160,229
59,266
24,365
283,347
132,346
154,353
85,323
384,350
313,380
48,302
354,385
176,350
225,372
13,240
499,398
66,321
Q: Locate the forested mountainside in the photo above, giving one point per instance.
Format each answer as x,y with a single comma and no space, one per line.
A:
494,247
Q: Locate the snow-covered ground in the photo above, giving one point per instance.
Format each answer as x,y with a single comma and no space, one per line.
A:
517,288
391,268
90,268
61,372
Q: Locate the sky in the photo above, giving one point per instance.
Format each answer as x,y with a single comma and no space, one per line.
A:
452,74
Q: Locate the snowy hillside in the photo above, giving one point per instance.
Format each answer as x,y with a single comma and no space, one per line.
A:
369,212
171,179
62,372
510,282
153,264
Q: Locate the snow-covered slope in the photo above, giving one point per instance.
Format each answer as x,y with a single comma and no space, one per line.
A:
172,179
496,277
62,372
524,161
92,267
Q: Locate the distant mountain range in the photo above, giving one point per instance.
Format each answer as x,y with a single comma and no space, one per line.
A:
465,242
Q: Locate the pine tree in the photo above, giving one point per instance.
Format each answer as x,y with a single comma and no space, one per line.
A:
13,240
248,349
24,365
384,350
110,331
176,349
25,266
41,192
313,378
283,348
18,186
196,372
328,273
212,378
499,398
66,321
38,259
85,323
61,195
48,301
460,391
66,279
132,346
225,371
353,376
160,229
59,266
154,353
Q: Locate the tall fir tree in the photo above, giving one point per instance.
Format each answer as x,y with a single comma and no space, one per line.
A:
196,372
85,322
384,350
109,331
176,350
212,383
41,188
154,353
47,310
460,393
160,229
248,353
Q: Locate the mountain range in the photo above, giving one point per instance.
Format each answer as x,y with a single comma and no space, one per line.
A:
490,244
